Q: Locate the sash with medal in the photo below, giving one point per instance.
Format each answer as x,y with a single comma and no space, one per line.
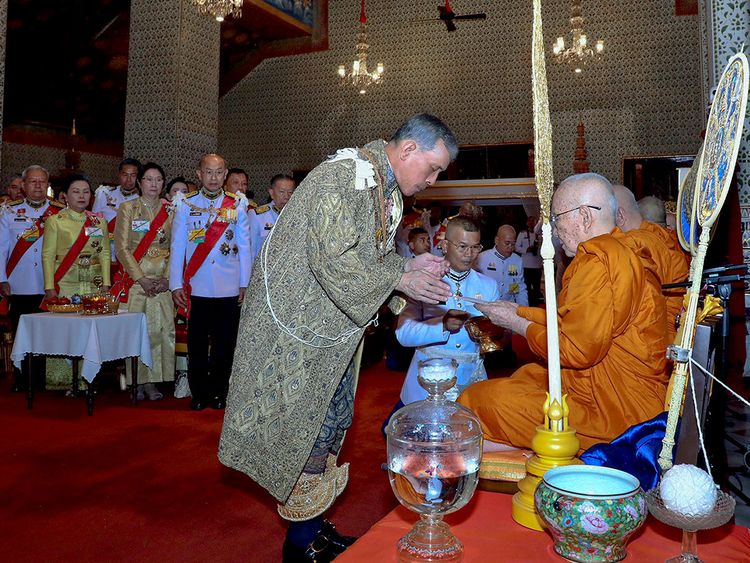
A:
204,247
122,281
26,242
75,250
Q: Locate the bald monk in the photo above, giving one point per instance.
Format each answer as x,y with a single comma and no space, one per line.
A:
612,344
652,209
671,262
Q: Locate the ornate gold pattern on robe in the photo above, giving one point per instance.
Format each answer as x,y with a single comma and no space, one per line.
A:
159,310
325,273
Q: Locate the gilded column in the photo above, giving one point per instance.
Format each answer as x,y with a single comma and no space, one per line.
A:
172,108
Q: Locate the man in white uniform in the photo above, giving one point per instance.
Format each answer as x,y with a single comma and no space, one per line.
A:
438,330
21,277
505,267
209,269
263,218
108,199
528,245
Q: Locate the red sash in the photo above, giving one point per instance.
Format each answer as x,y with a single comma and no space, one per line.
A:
111,224
73,253
213,234
22,245
123,282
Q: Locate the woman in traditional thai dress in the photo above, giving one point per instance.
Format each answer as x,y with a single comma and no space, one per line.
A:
75,258
142,237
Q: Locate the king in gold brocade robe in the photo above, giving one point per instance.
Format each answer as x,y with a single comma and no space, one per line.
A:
328,266
612,352
134,219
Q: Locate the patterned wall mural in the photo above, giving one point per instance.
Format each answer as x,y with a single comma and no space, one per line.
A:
3,30
171,115
15,157
644,98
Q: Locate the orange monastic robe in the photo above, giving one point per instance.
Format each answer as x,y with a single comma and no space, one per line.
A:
673,266
612,353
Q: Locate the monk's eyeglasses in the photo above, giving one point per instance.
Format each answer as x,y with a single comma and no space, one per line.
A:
553,218
462,248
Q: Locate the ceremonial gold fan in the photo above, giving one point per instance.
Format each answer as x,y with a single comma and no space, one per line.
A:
714,176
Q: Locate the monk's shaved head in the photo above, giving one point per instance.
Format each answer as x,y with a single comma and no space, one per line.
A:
628,215
583,207
652,209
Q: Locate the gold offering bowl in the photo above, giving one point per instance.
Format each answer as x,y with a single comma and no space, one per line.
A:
489,336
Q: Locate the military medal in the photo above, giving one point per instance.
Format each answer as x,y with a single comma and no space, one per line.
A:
96,245
229,234
162,235
235,250
224,248
458,277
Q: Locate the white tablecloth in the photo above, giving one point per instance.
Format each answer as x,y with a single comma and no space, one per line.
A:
95,338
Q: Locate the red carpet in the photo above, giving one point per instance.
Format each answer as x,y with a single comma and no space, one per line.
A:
143,483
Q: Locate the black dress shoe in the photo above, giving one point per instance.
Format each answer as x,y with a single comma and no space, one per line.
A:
339,541
326,546
197,404
218,403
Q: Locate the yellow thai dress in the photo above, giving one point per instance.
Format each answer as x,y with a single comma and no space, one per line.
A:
134,220
87,274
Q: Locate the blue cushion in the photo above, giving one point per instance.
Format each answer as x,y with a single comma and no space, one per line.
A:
636,451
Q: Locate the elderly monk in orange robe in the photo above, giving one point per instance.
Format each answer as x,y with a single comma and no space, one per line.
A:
672,265
611,324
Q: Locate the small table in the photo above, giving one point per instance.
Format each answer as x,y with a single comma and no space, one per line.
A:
488,532
95,338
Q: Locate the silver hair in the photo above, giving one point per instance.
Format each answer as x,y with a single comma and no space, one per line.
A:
33,168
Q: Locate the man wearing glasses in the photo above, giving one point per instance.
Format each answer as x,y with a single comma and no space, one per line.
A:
437,331
611,327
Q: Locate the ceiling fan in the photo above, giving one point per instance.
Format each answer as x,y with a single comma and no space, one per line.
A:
448,16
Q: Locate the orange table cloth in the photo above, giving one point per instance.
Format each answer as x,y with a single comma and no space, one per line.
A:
489,534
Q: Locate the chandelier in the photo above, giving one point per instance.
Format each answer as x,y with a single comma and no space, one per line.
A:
359,76
579,53
219,9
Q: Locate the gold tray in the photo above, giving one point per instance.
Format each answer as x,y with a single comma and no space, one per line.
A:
69,308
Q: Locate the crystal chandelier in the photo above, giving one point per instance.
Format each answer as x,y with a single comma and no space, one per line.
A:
358,76
219,9
579,53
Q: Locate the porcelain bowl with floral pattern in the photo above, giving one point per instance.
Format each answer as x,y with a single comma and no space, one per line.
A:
590,511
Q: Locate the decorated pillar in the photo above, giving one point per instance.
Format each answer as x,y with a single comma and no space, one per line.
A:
172,108
725,28
3,35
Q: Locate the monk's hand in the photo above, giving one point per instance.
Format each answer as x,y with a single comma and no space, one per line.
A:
179,298
5,289
424,286
454,319
433,264
503,313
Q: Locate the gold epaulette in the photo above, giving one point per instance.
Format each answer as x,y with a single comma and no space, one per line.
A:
16,202
262,209
55,203
192,194
232,195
